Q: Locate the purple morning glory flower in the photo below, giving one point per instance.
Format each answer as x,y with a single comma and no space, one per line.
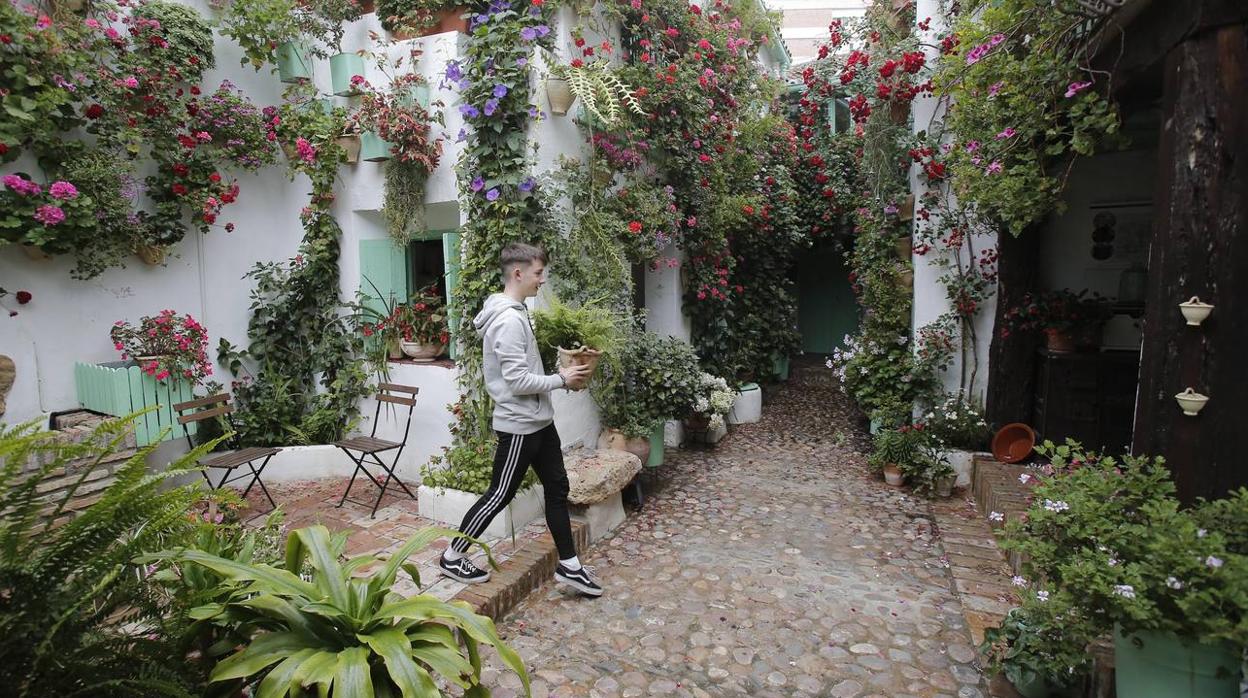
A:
491,106
453,71
532,112
526,186
462,136
469,111
464,84
521,62
500,90
542,29
477,184
491,195
528,33
535,11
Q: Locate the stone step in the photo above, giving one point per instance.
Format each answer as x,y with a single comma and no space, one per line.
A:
529,568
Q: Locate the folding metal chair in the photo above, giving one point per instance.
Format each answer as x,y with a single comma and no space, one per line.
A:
203,408
370,446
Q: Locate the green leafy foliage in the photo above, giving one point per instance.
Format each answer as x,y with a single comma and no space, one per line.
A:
302,372
1044,640
344,633
75,615
655,379
1110,531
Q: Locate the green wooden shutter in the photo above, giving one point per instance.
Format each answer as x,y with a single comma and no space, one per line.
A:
383,265
450,257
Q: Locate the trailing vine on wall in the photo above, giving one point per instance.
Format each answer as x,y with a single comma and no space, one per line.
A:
499,196
302,375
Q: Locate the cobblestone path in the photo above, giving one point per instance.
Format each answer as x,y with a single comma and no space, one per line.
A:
771,565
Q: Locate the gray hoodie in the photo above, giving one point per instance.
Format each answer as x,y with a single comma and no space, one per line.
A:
514,376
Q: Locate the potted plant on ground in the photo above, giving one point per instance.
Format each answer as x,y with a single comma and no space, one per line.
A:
1066,318
1041,646
166,346
895,452
423,332
654,379
574,336
961,430
1171,583
712,403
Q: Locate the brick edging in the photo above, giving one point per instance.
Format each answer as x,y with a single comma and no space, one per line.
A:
532,565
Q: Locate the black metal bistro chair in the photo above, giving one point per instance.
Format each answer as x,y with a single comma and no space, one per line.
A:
218,406
369,446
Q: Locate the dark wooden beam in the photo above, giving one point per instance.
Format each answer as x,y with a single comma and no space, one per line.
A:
1012,360
1200,248
1135,40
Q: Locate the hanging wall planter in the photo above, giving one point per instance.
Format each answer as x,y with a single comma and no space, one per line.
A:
372,148
904,248
559,95
342,68
420,92
150,254
293,62
1191,402
350,142
1194,311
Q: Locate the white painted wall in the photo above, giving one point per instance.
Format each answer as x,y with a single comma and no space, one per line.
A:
930,301
68,320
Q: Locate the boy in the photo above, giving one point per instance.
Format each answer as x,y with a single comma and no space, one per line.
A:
523,420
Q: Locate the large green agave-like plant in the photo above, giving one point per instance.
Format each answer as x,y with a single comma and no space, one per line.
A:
343,635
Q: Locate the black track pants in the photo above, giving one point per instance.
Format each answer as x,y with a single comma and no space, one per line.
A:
515,453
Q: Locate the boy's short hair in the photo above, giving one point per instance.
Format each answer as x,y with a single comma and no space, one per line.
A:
519,253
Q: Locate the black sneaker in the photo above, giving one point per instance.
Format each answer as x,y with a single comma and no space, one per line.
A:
583,580
462,570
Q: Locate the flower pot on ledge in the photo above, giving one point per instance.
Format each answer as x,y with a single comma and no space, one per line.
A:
1059,341
450,19
421,353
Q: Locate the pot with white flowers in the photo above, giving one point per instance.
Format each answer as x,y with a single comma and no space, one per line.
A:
958,425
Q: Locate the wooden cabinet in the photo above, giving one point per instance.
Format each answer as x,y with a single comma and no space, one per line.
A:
1086,397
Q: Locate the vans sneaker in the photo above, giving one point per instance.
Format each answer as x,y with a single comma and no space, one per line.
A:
462,570
583,580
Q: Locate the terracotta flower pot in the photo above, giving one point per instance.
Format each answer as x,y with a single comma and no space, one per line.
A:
580,357
1059,341
150,254
893,475
421,353
614,439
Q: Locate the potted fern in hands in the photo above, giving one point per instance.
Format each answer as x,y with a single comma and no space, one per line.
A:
568,336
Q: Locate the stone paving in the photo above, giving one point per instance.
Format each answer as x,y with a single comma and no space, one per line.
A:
311,502
771,565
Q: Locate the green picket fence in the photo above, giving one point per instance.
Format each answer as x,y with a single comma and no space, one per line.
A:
120,388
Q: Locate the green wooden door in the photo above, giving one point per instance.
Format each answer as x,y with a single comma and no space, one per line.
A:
450,256
383,274
826,307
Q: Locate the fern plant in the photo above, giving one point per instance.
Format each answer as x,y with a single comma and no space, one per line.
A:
600,90
561,325
340,634
75,613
